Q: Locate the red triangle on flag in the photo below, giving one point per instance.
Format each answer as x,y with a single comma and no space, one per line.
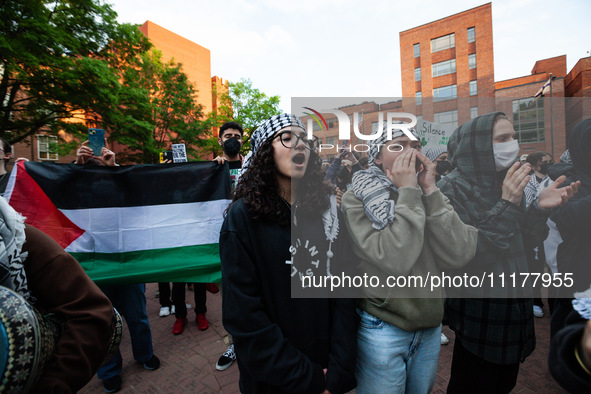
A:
29,200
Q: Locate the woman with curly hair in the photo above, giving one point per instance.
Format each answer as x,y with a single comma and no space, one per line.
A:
281,227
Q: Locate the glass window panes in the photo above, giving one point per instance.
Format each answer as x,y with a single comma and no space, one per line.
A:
444,68
528,119
447,118
330,140
47,147
471,34
419,97
417,74
445,42
472,61
417,50
445,93
473,112
473,88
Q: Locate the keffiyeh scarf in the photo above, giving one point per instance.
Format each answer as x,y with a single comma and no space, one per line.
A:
267,130
12,239
373,187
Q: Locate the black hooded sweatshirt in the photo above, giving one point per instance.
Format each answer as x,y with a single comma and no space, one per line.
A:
283,343
574,218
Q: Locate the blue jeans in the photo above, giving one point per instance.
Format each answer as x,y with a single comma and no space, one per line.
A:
391,360
130,301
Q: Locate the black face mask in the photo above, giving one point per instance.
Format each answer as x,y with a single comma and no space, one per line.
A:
231,147
544,168
443,167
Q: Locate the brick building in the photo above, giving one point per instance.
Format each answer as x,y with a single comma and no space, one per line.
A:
447,65
196,63
448,77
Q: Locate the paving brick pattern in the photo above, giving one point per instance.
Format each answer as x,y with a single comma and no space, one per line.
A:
188,360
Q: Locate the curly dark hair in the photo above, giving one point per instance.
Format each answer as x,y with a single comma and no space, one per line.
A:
258,188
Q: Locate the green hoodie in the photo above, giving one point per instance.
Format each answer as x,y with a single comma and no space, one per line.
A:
425,236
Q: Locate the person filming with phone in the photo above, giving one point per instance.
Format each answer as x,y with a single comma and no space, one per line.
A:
85,155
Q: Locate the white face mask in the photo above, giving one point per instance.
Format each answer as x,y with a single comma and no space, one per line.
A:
505,154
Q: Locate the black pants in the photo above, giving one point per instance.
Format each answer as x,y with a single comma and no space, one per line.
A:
178,298
472,374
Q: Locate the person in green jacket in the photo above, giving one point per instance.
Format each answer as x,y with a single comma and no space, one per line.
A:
402,226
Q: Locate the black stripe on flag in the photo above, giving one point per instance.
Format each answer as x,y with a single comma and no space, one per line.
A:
72,186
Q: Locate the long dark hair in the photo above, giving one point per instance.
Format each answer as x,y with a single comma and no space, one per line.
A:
258,188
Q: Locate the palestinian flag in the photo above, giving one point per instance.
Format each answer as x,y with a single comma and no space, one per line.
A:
129,224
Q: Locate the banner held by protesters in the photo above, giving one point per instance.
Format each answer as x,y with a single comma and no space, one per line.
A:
129,224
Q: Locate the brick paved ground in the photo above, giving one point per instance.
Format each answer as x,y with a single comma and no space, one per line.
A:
188,360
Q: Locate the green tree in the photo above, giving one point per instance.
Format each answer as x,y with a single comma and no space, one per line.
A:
55,61
156,107
246,105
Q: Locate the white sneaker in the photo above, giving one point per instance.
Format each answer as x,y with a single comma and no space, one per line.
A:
538,312
226,359
444,339
165,311
172,310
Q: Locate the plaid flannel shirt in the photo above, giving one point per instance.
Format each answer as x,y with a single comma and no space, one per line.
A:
499,330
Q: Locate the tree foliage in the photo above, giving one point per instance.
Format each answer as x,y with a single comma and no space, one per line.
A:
157,107
54,63
246,105
65,63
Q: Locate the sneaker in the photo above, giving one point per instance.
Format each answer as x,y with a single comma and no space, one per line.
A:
172,310
444,339
152,364
179,326
164,311
226,359
202,322
212,288
538,312
112,385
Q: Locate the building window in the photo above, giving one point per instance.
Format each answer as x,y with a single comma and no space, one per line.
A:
444,68
445,93
528,119
47,147
472,61
473,112
447,118
419,98
331,123
417,50
330,140
445,42
473,88
417,74
471,34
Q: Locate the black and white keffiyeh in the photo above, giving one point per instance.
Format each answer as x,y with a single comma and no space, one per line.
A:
268,130
373,187
12,239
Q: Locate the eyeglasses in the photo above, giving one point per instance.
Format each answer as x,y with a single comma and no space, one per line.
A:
291,140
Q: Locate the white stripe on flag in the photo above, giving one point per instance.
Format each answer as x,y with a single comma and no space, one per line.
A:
128,229
545,89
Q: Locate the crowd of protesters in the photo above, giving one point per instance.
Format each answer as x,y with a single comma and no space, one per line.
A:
404,211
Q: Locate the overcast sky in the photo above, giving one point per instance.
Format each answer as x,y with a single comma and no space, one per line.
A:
334,48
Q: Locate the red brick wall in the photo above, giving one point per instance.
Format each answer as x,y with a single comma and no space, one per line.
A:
481,19
195,59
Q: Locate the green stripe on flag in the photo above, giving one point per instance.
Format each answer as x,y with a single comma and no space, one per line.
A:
196,264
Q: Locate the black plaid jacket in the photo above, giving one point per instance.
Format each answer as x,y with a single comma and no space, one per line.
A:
496,325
